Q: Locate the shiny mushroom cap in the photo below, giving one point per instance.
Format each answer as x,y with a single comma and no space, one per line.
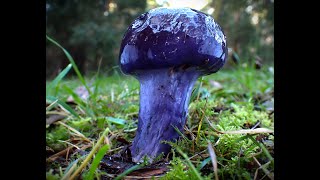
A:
173,37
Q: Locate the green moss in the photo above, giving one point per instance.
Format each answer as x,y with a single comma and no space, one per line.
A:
51,176
180,170
243,114
54,134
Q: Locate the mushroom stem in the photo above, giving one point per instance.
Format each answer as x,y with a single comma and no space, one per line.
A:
164,100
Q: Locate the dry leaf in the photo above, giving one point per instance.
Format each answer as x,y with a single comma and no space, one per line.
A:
54,118
214,160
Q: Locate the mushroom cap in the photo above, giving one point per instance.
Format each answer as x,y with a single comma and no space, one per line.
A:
173,37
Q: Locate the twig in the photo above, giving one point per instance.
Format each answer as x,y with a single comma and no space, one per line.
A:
50,106
115,149
189,163
197,154
69,144
264,149
53,157
249,131
242,131
256,125
255,154
263,168
192,137
211,125
74,130
94,149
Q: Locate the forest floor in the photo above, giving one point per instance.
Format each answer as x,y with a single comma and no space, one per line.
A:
228,133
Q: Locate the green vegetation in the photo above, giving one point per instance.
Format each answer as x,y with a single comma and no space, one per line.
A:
89,116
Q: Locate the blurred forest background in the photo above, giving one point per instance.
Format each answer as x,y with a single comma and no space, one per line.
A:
92,30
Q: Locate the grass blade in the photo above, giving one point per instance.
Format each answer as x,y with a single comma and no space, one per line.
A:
61,75
75,67
200,85
116,120
264,149
79,101
196,91
94,149
204,162
51,105
181,134
96,161
71,167
214,160
189,163
63,104
75,131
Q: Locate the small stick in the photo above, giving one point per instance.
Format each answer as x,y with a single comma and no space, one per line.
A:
94,149
74,130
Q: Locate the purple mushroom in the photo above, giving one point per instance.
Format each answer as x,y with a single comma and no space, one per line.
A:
167,49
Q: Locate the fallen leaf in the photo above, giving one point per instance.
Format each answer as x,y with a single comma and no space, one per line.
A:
54,118
148,172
